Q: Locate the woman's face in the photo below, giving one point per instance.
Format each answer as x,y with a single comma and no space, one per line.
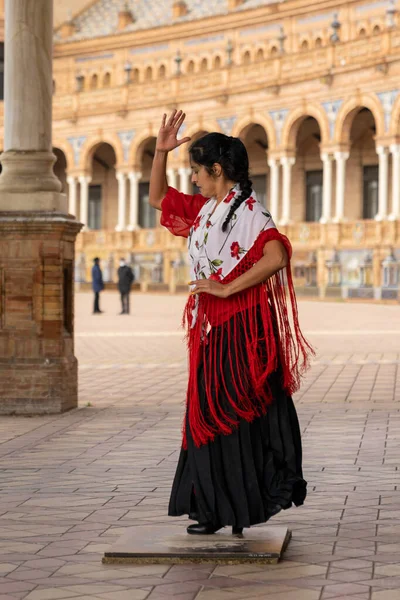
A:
203,180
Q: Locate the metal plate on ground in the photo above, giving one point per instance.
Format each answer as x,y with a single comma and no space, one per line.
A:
171,544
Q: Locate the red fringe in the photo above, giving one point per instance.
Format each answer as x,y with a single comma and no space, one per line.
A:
265,348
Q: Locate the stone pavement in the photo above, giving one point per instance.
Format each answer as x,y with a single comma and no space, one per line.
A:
71,484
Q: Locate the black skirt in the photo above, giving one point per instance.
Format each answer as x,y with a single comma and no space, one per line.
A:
244,478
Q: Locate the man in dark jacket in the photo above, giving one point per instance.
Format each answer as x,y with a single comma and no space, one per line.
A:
97,285
125,280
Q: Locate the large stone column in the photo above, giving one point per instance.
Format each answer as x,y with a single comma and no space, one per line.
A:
84,181
122,181
185,174
134,179
72,181
327,188
38,370
287,163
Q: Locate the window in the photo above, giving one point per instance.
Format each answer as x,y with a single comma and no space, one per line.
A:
274,51
107,80
370,192
94,82
95,194
362,33
304,46
376,30
246,58
204,65
260,55
318,43
190,67
148,74
135,76
147,214
313,196
217,62
162,72
260,188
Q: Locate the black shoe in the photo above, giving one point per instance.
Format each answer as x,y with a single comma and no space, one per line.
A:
237,530
203,529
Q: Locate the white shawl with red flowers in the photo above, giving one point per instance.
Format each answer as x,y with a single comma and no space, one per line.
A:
215,253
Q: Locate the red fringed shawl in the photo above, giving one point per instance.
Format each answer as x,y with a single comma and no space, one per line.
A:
271,339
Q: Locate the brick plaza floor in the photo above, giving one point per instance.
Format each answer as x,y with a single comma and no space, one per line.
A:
70,485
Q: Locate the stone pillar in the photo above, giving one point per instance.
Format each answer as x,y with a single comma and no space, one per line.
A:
72,181
122,180
274,188
185,174
395,150
134,179
84,181
172,176
341,158
383,153
287,163
38,370
327,188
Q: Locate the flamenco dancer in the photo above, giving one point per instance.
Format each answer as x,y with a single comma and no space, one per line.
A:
241,456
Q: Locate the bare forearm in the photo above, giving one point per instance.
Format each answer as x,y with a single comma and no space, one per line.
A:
265,268
158,179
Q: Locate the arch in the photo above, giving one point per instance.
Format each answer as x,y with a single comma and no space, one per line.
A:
362,33
107,79
319,42
135,75
260,55
246,57
66,149
204,65
89,148
349,110
304,46
295,119
191,67
137,147
376,29
274,51
148,74
162,71
94,81
217,62
265,121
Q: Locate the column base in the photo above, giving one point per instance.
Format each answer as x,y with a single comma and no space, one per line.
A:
134,227
393,217
38,369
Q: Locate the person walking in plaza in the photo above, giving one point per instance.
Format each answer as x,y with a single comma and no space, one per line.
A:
241,456
97,285
125,280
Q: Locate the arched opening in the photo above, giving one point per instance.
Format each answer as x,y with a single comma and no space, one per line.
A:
135,75
307,173
107,80
217,62
94,82
190,67
362,33
246,59
148,74
260,55
376,30
318,42
162,72
255,139
304,46
103,190
362,173
274,51
147,214
204,65
60,168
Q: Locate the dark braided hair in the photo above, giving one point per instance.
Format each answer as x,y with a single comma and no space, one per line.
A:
231,154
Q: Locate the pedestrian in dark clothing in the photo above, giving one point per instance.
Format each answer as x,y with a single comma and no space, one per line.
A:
125,280
97,285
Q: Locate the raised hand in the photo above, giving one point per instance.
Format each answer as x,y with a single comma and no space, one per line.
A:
167,138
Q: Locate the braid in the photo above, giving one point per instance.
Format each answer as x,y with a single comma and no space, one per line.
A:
246,187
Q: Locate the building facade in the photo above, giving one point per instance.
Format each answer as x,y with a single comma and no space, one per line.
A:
313,91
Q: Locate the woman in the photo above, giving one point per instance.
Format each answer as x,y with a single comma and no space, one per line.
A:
240,461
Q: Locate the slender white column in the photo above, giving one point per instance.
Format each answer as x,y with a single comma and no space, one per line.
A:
327,188
274,188
287,163
341,158
84,181
122,180
72,193
185,174
172,175
383,153
134,178
395,150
